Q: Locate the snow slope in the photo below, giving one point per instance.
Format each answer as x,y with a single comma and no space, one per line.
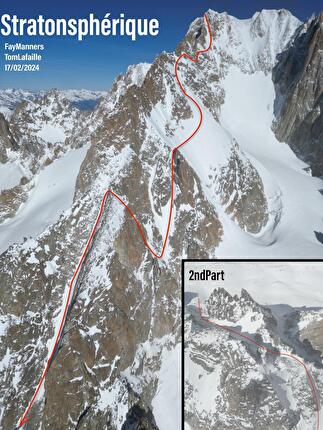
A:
10,175
168,396
247,116
52,194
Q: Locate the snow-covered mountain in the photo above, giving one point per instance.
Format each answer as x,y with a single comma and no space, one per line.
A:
232,384
10,98
239,191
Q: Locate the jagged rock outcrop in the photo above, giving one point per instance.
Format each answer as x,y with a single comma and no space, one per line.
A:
7,141
298,76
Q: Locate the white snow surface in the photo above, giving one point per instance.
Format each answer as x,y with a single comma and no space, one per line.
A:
10,175
136,73
253,43
293,197
248,115
168,396
51,195
51,133
51,267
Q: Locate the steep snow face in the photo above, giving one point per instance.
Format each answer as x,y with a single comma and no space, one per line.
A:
253,44
238,73
168,395
293,195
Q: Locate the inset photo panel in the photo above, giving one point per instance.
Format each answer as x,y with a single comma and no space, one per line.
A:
252,344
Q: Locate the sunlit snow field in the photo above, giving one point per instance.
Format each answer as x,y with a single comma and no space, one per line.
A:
51,195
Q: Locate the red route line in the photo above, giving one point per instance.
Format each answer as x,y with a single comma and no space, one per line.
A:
25,418
271,351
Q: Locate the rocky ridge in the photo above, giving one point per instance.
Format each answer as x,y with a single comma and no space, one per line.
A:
124,320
